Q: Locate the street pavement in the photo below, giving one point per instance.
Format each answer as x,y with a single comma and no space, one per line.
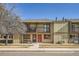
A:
24,53
36,51
39,52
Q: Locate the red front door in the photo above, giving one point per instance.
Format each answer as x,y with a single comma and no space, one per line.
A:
39,38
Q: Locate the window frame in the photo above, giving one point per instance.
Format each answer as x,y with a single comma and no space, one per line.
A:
49,35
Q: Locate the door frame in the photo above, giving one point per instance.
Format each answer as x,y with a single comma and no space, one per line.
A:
41,38
32,38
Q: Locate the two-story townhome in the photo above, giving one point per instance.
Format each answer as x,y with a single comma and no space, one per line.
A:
47,31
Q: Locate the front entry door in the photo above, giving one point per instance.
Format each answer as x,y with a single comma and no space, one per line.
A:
34,38
39,38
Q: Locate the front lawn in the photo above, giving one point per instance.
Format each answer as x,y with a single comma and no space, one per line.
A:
15,46
58,46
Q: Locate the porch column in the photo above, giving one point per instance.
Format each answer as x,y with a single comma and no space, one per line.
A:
16,39
7,37
52,32
43,38
31,38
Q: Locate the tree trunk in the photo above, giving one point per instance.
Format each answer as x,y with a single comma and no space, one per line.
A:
6,39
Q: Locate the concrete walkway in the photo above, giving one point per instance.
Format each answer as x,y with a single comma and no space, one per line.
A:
35,50
40,49
35,45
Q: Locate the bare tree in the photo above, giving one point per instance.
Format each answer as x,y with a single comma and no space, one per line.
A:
9,23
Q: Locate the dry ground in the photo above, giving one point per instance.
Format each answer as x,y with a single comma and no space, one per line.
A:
42,45
47,45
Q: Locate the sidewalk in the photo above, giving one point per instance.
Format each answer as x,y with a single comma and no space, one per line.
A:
39,52
40,49
34,47
46,45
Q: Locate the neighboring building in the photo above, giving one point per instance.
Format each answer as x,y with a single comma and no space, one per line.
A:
48,31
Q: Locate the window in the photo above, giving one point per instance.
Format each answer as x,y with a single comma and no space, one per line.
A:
47,36
10,41
31,27
75,27
43,28
46,28
10,36
40,28
2,41
74,38
26,36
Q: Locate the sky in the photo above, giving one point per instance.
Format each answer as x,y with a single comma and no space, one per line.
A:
46,10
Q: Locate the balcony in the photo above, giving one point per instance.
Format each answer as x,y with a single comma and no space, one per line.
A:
45,28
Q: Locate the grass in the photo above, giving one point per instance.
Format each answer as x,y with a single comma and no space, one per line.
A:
42,45
15,46
58,46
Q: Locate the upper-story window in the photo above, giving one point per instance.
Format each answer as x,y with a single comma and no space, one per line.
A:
46,28
31,27
43,28
75,27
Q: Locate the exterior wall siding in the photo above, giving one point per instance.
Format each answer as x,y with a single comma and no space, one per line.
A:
61,38
61,27
16,39
60,33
